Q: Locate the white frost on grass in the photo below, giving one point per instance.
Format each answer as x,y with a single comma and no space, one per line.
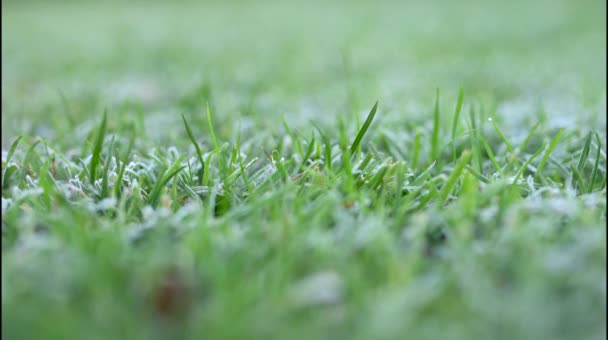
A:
6,202
321,288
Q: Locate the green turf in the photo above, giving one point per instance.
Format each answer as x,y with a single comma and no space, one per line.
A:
291,170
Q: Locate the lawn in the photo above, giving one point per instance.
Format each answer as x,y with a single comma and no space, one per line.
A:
291,170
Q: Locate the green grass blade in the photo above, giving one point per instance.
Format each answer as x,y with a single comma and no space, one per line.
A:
525,165
456,119
477,175
199,154
11,151
578,178
211,129
454,176
123,166
502,137
97,148
491,156
294,140
416,149
582,161
106,169
363,130
309,150
552,146
474,137
506,141
526,141
244,176
376,181
163,180
596,165
435,134
220,159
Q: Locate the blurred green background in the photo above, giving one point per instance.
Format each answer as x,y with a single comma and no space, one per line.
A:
309,60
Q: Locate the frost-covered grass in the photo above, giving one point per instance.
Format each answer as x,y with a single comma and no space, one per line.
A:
291,171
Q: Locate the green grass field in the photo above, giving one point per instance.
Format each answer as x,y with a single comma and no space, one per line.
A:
220,170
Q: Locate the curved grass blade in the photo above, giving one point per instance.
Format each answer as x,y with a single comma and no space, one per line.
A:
11,151
161,182
363,130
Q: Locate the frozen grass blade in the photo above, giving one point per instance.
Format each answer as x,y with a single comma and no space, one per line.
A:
363,130
104,181
124,162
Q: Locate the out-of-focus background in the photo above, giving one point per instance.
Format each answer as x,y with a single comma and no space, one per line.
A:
314,60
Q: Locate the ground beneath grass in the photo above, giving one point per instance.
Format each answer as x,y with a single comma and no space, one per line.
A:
282,170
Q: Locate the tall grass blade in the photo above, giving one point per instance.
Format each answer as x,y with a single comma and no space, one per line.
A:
596,165
456,119
552,146
199,154
363,130
451,181
435,135
97,148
